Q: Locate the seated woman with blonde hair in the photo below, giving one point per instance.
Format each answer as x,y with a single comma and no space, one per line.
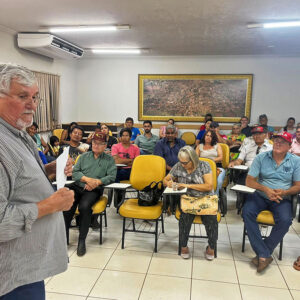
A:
196,176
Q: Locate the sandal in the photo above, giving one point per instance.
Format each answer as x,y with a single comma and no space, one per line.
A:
185,255
297,264
209,256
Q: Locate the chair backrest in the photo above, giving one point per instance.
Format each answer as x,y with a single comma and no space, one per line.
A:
225,160
189,138
58,133
213,168
145,169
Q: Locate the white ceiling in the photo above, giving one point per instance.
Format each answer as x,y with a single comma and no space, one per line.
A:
166,27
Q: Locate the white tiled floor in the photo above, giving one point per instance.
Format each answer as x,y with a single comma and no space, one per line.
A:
136,272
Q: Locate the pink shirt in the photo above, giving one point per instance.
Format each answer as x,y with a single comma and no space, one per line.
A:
130,152
295,148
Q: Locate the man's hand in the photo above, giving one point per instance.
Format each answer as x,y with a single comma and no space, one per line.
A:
93,183
281,193
61,200
231,164
68,169
273,195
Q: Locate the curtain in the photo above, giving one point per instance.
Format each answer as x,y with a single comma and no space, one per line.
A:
46,115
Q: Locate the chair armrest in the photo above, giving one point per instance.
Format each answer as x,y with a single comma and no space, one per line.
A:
294,204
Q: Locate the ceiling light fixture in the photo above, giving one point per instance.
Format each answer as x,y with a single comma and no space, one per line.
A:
275,24
85,28
117,51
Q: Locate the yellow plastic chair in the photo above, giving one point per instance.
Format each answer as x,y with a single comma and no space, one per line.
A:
225,163
58,132
99,209
145,169
189,138
198,219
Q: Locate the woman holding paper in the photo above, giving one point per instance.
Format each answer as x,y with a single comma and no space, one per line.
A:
196,176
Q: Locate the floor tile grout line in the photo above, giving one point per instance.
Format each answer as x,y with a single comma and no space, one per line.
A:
192,269
102,270
140,293
285,281
237,275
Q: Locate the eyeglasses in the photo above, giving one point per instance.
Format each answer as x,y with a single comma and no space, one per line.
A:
184,162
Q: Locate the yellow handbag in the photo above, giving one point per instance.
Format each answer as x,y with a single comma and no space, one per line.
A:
207,205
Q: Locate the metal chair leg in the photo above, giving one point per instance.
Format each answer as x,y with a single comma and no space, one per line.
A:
162,224
156,235
68,234
123,232
105,218
133,224
100,240
244,238
280,250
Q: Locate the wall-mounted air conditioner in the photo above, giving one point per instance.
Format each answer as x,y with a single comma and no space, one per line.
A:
48,45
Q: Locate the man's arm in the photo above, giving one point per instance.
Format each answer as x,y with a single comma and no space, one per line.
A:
271,194
17,219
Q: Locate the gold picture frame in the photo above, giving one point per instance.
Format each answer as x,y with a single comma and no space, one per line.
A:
188,97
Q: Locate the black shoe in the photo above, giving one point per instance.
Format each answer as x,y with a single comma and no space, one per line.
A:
81,249
95,224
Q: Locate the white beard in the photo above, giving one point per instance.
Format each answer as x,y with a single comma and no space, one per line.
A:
23,125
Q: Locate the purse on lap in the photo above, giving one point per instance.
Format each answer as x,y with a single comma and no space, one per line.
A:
207,205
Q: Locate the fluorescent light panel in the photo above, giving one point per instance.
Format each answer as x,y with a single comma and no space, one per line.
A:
282,24
117,51
88,28
275,24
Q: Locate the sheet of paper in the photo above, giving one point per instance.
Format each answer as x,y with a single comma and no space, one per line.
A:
170,191
240,167
118,185
243,188
61,162
67,182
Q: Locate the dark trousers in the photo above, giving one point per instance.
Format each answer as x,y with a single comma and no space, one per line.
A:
211,227
123,174
84,200
282,213
32,291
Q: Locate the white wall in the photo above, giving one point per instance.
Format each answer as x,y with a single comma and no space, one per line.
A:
108,87
9,52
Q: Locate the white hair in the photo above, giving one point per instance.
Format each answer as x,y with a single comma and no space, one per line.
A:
9,72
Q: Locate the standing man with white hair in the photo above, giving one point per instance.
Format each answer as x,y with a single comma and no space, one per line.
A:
32,234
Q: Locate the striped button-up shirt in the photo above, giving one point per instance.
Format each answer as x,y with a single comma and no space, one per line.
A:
31,249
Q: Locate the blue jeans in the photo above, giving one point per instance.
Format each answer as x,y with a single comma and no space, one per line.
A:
32,291
282,213
220,180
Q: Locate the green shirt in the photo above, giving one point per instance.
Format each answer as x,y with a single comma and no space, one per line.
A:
102,168
146,143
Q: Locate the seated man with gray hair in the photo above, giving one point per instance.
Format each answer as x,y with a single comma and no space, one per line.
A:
169,146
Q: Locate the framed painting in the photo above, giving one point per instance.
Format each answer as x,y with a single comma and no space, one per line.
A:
189,97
